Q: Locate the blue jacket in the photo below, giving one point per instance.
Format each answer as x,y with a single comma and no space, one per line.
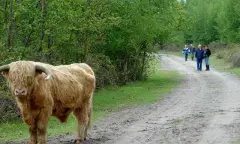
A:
185,51
199,53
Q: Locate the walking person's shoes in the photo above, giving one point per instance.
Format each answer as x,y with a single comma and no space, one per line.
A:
207,68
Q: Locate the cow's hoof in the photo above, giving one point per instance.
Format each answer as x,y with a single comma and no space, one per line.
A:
32,142
77,141
85,138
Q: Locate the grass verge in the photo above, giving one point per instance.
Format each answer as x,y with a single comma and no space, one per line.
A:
219,64
223,65
105,101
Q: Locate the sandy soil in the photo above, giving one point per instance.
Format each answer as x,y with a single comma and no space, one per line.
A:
205,109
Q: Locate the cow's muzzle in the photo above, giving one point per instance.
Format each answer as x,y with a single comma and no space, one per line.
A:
20,92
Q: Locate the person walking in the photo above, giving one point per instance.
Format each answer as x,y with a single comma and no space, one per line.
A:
192,51
185,51
207,55
199,56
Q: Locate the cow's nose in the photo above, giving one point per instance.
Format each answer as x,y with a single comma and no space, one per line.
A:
20,92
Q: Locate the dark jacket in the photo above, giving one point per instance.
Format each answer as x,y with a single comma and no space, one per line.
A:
199,53
193,50
208,52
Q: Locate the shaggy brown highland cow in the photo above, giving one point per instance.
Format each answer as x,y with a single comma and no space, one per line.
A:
42,90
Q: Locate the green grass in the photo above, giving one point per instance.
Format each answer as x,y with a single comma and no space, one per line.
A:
219,64
105,101
236,142
223,65
136,94
236,71
17,130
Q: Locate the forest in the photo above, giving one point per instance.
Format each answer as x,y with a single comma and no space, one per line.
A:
115,37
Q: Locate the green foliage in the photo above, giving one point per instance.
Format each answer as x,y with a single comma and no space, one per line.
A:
82,30
213,20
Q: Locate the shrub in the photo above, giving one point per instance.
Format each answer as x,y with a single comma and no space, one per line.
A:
104,70
217,46
236,59
219,55
8,110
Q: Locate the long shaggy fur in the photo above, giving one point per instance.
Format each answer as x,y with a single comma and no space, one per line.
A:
69,90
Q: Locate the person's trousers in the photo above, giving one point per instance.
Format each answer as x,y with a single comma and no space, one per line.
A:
207,63
207,60
199,64
186,57
192,56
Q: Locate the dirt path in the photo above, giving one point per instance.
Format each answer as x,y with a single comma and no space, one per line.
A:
204,109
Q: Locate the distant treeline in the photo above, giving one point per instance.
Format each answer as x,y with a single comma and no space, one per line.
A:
212,20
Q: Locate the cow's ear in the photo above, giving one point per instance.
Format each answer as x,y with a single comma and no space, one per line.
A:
38,74
5,73
5,70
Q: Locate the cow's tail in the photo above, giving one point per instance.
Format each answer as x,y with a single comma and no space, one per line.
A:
89,119
89,124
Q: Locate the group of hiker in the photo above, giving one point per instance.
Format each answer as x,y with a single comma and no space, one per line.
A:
200,53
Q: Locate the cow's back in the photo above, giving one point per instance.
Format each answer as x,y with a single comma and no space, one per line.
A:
86,67
81,73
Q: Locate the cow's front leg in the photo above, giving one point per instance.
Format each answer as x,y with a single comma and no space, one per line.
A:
42,122
33,134
28,118
32,127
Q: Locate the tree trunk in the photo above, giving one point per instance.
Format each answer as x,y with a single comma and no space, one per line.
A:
161,45
144,47
86,38
86,45
9,34
30,22
27,39
43,6
5,12
5,18
143,64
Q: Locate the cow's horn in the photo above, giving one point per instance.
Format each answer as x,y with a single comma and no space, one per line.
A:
43,69
4,68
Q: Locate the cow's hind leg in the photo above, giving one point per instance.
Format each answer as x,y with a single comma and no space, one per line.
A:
89,122
82,117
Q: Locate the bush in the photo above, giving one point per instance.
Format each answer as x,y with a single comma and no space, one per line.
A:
104,70
218,46
220,55
236,59
230,52
8,106
174,47
8,110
